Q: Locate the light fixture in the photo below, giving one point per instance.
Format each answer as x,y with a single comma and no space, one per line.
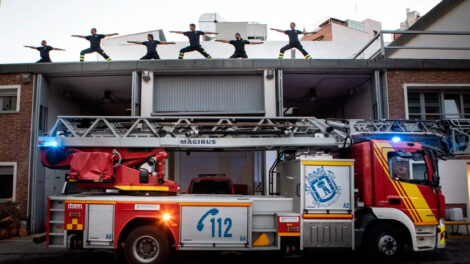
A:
26,77
270,74
396,139
146,76
107,98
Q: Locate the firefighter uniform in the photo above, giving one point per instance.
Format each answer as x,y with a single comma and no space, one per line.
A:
194,44
44,53
151,50
239,45
95,41
293,43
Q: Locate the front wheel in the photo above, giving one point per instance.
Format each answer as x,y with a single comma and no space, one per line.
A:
384,241
146,245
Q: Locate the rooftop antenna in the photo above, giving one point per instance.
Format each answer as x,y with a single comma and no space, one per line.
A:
355,9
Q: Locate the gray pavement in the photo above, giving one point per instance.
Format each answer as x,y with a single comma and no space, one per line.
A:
24,251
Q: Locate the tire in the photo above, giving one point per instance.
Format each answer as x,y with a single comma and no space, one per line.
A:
384,241
146,245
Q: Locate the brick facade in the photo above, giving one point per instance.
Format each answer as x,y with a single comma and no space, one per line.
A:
324,34
396,79
15,140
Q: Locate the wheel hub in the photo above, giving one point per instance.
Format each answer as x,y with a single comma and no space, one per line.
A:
388,245
146,249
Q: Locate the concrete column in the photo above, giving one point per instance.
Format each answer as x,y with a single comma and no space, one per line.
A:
270,92
146,94
270,108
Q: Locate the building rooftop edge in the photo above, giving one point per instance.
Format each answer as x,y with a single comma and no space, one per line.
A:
231,64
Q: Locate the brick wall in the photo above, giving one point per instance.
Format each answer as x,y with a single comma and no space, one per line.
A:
397,78
15,131
325,31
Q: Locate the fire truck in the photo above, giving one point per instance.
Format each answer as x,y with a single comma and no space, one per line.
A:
356,184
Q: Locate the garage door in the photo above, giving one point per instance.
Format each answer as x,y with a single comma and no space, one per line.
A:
209,94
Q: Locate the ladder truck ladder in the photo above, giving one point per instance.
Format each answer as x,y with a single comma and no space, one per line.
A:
246,133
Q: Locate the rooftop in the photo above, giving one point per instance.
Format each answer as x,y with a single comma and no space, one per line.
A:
232,64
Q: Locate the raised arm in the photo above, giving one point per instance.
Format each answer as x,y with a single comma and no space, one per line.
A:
278,30
166,43
79,36
110,35
58,49
177,32
210,33
135,42
31,47
255,42
223,41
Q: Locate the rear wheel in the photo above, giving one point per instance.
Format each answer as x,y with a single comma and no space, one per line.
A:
146,245
384,241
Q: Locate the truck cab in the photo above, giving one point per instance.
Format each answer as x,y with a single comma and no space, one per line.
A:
398,188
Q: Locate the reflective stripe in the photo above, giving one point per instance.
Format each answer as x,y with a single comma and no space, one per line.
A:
328,162
288,234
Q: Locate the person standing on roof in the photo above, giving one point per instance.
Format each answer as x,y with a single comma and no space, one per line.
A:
194,45
44,50
151,47
293,40
95,44
239,45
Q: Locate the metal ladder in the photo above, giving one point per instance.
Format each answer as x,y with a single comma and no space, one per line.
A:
243,133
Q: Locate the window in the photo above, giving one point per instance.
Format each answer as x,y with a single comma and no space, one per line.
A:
7,181
9,99
438,104
408,167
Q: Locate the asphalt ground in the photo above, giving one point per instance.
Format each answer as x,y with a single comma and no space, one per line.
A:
24,251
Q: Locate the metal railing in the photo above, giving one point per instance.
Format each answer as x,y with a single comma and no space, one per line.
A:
382,50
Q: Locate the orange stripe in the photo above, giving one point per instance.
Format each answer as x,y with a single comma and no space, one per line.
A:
90,202
410,202
288,234
398,188
327,216
380,158
427,223
216,204
142,202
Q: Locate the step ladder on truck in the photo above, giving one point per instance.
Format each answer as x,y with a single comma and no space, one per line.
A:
357,184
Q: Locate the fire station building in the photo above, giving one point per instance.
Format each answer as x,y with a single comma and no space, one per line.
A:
33,95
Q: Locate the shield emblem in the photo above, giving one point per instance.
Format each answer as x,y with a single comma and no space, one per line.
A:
323,189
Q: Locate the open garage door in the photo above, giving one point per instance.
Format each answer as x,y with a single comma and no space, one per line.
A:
329,95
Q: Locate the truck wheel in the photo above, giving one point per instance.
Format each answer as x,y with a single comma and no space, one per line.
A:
146,245
384,241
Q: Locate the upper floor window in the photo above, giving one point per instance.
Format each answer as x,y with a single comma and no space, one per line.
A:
9,99
438,104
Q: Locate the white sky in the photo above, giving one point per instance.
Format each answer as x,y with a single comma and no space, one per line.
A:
27,22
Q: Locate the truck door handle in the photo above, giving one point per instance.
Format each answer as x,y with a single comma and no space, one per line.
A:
394,201
298,190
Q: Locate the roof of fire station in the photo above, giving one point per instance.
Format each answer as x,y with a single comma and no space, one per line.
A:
233,65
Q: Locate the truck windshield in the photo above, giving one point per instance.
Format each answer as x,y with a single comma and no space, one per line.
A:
410,169
211,187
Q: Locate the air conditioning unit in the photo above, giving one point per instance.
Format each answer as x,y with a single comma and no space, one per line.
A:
454,214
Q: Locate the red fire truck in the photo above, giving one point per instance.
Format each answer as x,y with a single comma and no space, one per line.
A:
354,184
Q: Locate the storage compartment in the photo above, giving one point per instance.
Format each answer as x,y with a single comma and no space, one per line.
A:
323,233
101,231
217,226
